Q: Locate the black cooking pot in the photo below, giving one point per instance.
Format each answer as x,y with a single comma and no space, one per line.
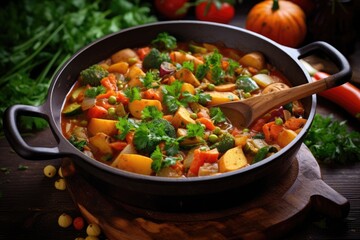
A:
171,194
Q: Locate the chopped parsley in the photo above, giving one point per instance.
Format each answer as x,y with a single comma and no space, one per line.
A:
151,112
330,141
164,41
160,161
78,143
217,115
94,91
133,93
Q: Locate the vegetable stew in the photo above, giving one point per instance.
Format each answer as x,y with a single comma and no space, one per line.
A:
150,110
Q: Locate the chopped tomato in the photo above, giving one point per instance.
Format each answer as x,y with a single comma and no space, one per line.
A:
119,145
97,112
129,137
109,82
121,97
142,52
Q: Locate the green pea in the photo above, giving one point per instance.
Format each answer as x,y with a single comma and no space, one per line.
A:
247,95
193,115
112,100
213,138
279,121
111,111
217,131
246,130
210,86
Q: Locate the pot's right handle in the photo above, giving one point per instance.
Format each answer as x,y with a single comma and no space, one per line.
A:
343,75
17,142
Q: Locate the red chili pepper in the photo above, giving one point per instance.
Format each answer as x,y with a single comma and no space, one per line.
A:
347,95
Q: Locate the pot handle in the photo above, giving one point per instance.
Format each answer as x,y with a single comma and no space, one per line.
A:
16,140
343,75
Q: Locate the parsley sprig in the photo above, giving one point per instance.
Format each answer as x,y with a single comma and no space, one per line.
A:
330,141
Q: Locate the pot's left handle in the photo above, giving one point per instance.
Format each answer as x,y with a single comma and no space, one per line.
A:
17,142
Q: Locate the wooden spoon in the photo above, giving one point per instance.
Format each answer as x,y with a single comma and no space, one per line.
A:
244,112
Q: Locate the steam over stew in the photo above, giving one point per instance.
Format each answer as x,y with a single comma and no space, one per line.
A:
148,110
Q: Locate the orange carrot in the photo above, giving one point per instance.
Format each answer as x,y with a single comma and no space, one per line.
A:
210,156
294,123
196,163
271,131
207,122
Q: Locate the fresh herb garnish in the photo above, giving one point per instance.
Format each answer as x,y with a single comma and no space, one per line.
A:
151,79
330,141
133,93
172,94
217,115
124,126
195,130
78,143
160,161
150,113
164,41
42,35
94,91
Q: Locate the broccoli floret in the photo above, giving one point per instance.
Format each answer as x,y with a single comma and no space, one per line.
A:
154,59
168,127
93,75
226,141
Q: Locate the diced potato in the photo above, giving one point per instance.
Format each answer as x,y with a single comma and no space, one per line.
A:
134,163
180,57
254,59
120,67
134,74
101,142
106,126
240,140
221,97
124,55
225,87
232,159
187,76
129,149
285,137
187,87
208,169
262,79
137,106
182,118
189,158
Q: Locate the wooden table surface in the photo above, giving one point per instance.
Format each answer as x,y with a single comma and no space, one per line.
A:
30,204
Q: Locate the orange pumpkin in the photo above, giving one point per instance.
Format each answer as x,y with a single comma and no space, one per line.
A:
281,21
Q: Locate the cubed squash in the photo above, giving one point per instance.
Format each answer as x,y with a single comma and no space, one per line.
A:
187,76
187,87
253,59
134,163
137,106
106,126
120,67
221,97
232,160
134,74
101,142
285,137
182,118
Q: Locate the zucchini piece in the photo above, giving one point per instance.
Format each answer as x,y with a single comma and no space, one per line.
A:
72,109
247,84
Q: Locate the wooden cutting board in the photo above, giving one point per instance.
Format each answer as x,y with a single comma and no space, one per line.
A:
271,214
